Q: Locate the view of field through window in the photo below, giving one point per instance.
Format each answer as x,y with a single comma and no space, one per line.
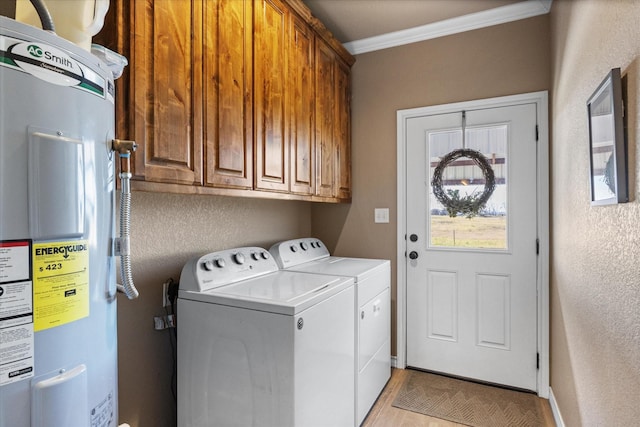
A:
488,229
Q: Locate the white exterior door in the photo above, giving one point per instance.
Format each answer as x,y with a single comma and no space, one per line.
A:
471,285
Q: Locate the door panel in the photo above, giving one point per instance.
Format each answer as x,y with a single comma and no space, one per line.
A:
442,308
228,95
471,291
493,310
325,108
167,116
301,105
270,81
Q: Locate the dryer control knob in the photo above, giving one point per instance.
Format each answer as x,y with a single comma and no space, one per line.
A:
294,248
255,256
208,265
238,258
304,246
265,255
219,262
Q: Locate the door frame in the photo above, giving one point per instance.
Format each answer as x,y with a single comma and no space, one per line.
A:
541,100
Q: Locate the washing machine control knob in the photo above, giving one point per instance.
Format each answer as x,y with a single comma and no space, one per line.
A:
238,258
304,246
294,248
255,256
265,255
219,262
208,265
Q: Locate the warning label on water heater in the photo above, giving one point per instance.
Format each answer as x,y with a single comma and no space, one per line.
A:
16,312
60,283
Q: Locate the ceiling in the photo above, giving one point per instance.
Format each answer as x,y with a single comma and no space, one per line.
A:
365,25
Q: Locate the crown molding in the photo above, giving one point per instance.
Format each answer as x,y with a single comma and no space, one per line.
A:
472,21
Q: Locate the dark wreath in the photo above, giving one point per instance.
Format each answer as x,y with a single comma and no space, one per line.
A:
469,205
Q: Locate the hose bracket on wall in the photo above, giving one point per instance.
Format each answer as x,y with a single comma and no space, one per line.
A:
122,245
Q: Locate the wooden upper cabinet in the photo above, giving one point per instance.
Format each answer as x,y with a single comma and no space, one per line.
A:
333,124
301,105
228,121
342,129
232,97
269,89
325,116
166,102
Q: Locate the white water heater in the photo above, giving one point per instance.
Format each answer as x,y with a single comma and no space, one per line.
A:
58,346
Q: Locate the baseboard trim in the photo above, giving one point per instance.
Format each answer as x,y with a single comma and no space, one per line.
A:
394,361
557,416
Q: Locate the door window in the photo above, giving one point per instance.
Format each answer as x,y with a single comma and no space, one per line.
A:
463,178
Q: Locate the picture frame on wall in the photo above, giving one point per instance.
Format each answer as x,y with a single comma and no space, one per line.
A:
607,144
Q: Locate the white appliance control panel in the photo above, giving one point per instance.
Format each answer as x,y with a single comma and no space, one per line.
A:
224,267
294,252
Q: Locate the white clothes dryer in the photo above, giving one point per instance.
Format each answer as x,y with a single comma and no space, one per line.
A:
373,324
258,346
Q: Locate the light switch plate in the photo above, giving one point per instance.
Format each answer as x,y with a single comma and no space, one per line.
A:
381,215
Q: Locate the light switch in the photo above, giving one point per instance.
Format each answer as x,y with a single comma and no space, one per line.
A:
381,215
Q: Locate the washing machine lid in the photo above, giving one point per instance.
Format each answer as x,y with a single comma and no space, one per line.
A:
360,268
282,292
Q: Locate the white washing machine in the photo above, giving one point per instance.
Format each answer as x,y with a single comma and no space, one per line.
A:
373,324
258,346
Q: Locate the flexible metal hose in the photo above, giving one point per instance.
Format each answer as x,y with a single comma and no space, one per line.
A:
45,16
127,286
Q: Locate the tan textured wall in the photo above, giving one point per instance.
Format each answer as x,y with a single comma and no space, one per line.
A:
595,280
167,230
501,60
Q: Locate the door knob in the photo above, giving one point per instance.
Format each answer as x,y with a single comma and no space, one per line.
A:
413,255
413,237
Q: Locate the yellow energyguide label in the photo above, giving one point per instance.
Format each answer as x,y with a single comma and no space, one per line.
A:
60,283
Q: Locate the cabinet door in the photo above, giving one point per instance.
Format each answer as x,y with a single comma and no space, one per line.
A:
228,130
165,101
270,81
343,131
325,116
301,105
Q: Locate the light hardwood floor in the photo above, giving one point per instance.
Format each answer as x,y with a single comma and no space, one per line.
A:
384,415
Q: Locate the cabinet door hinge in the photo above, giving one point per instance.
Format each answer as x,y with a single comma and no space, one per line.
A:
537,360
537,133
537,246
